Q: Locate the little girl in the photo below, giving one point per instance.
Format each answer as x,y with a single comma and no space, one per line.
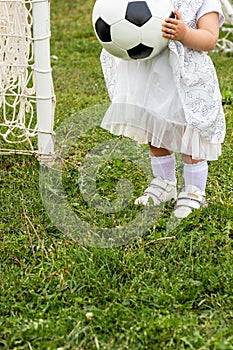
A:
173,103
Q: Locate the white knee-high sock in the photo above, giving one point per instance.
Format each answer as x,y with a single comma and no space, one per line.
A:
164,167
196,174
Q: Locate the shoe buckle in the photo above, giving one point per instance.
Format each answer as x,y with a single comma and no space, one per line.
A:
193,195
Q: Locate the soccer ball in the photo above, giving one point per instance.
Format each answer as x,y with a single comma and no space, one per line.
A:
131,29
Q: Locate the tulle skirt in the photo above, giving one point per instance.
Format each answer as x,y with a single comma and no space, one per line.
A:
147,108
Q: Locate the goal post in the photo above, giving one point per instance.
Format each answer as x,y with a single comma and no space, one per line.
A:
45,99
27,100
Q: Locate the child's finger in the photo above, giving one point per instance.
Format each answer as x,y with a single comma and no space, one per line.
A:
178,15
168,27
170,20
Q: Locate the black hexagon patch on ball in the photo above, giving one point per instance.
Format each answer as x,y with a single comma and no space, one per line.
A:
103,30
138,13
139,52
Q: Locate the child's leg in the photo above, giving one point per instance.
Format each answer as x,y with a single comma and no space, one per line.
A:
193,196
163,186
195,172
163,163
159,152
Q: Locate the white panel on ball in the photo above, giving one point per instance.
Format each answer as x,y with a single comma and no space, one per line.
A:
110,11
160,8
151,34
116,51
125,34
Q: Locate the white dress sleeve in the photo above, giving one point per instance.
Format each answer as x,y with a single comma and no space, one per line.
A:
211,6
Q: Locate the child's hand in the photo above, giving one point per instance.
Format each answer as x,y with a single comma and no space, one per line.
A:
174,28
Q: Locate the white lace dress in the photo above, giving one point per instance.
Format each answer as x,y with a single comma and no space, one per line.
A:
172,100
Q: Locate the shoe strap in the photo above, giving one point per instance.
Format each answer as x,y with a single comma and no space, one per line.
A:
157,188
191,200
165,185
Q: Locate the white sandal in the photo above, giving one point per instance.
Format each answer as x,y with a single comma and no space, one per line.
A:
192,198
160,191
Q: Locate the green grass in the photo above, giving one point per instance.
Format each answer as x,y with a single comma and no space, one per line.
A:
165,290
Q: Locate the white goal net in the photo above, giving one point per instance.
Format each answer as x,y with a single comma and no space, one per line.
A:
26,89
225,43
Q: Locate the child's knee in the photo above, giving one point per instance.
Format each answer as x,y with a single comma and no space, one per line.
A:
189,160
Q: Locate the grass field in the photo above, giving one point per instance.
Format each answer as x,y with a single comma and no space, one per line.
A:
164,290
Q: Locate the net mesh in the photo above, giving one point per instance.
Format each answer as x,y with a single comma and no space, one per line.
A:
225,43
17,85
